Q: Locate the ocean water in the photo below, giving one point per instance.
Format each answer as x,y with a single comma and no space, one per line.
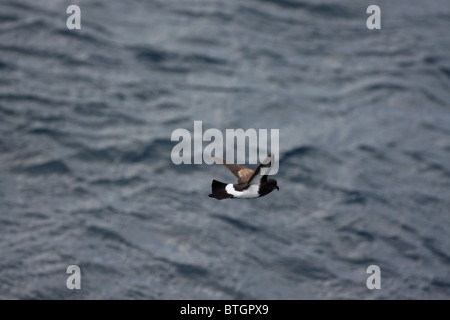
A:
86,176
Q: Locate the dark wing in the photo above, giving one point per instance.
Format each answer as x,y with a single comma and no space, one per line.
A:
257,176
241,172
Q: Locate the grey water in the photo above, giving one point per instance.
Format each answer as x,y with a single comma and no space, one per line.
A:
86,176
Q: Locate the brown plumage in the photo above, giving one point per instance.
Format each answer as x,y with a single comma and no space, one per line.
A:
243,174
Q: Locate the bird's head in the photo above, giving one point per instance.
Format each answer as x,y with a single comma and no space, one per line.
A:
273,184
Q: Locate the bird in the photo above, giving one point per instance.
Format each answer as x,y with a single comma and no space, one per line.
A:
251,184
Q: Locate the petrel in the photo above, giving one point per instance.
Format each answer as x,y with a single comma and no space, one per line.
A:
251,184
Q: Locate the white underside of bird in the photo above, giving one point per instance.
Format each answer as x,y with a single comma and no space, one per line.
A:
249,193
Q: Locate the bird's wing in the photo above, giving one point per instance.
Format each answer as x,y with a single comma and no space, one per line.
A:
241,172
258,175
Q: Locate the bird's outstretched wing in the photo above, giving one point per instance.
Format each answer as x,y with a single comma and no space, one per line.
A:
241,172
259,176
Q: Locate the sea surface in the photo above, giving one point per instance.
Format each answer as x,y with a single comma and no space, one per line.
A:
86,176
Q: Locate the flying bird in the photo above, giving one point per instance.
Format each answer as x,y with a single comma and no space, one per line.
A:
251,184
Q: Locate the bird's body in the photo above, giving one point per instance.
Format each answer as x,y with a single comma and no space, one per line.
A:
251,184
249,193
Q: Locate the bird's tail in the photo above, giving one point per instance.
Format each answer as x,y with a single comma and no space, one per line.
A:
218,190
